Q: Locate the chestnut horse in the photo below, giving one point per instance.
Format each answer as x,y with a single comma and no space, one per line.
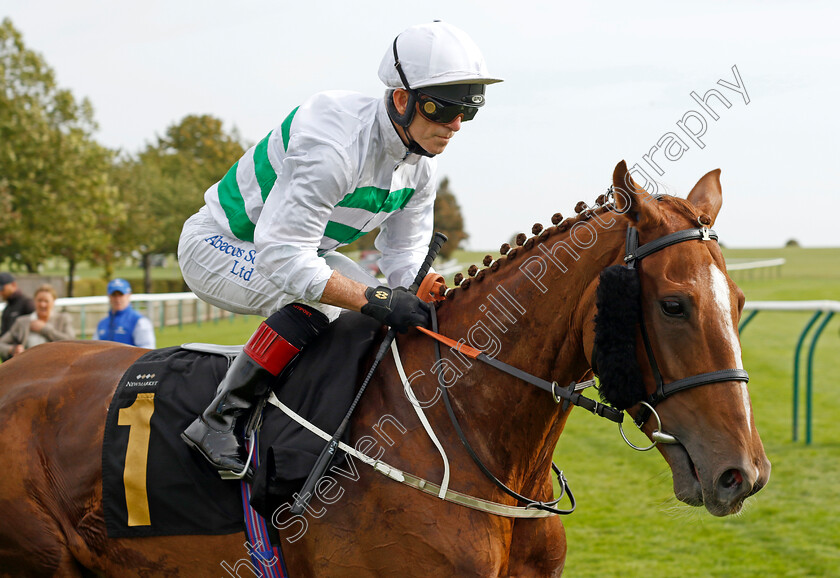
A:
534,309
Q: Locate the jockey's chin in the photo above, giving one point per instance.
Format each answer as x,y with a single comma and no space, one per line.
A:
433,136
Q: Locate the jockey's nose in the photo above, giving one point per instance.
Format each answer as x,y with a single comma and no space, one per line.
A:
455,125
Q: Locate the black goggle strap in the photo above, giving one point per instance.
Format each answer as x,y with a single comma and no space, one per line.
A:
398,66
406,117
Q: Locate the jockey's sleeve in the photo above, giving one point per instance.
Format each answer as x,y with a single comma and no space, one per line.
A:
312,181
405,236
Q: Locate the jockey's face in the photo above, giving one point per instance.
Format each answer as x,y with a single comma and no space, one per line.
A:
432,136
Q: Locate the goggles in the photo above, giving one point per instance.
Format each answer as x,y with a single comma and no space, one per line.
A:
443,112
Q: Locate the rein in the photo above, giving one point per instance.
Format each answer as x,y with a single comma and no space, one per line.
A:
542,384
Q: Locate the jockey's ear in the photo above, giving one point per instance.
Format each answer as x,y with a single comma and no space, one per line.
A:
706,196
631,199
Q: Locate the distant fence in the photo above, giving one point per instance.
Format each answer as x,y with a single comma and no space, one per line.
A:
763,268
163,309
824,309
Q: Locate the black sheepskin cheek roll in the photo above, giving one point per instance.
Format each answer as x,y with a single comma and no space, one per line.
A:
616,326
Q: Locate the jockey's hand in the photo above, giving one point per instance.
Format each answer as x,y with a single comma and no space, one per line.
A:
398,308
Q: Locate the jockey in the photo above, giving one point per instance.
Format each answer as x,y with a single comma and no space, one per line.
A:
339,165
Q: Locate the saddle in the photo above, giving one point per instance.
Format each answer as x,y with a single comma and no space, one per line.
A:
155,485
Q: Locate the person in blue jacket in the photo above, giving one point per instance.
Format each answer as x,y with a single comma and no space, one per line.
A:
123,324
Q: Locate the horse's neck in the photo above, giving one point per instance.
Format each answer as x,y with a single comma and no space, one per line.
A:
531,321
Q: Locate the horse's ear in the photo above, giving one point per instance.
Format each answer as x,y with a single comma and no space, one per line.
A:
706,196
630,198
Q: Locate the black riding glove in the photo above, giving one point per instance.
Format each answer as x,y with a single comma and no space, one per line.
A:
398,308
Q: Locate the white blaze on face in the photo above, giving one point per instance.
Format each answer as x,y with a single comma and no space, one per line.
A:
720,291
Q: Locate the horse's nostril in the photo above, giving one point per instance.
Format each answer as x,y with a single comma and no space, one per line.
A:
731,479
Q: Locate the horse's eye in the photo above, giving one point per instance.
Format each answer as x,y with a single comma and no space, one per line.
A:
672,308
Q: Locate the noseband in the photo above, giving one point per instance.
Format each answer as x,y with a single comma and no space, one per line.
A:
633,256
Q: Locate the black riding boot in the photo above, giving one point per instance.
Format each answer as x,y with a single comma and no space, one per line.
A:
249,379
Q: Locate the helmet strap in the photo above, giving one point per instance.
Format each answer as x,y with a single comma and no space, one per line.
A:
406,117
404,120
414,146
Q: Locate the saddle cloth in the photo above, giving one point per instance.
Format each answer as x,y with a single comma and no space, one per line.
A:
153,484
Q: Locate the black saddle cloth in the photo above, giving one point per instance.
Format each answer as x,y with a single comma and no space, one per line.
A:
321,388
180,491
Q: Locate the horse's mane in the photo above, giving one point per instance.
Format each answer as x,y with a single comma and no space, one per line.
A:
583,211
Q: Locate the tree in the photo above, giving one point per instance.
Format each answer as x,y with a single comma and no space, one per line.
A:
53,176
448,219
164,184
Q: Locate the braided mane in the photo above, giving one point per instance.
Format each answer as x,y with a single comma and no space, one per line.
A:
540,234
584,212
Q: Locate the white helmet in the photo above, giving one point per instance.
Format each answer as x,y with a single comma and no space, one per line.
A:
431,55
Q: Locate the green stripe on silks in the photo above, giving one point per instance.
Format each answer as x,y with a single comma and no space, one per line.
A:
286,128
376,200
342,233
234,206
266,176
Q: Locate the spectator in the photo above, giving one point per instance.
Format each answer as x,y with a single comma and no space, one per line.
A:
41,326
124,324
16,303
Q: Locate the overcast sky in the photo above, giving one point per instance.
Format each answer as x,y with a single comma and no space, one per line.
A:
584,88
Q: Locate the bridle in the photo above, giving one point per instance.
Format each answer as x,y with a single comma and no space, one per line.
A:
570,396
632,258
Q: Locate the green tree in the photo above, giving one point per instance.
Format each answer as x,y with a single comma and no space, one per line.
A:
165,183
53,176
448,219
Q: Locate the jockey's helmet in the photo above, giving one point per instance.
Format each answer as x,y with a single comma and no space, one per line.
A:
441,68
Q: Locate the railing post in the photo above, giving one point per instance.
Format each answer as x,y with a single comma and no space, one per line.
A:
746,321
796,372
809,387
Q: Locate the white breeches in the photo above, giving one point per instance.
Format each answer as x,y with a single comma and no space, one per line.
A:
221,271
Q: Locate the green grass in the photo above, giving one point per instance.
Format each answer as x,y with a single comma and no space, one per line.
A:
222,332
628,522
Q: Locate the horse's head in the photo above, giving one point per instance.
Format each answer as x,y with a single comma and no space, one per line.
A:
684,335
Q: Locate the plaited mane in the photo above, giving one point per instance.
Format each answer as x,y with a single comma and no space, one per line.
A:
617,299
524,243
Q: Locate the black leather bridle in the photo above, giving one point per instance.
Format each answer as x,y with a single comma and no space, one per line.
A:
633,256
570,396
